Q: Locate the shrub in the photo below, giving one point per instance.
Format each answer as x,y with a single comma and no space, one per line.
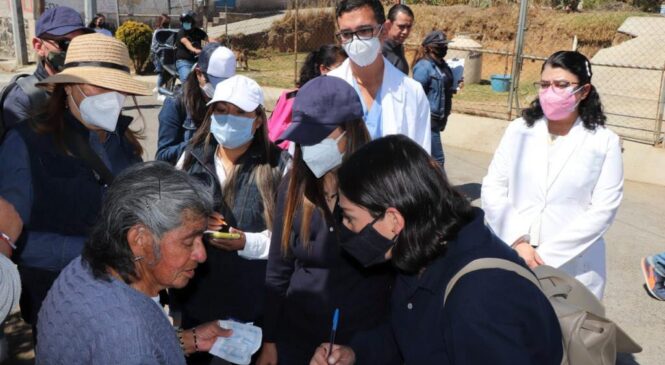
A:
137,36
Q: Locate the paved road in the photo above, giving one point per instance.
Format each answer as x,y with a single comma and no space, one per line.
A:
638,231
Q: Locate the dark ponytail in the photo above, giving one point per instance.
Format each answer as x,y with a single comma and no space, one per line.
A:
590,109
327,55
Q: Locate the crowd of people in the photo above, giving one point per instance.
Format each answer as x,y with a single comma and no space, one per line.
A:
337,203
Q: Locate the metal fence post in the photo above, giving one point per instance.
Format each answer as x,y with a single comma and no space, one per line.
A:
661,109
517,61
19,33
90,7
295,47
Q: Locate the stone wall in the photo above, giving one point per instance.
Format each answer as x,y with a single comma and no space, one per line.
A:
7,50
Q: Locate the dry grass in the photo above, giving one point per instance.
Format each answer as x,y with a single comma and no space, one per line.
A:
548,30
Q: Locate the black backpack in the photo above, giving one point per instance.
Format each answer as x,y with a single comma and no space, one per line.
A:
27,84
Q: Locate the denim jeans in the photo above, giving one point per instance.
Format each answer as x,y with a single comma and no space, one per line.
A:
158,70
184,67
437,148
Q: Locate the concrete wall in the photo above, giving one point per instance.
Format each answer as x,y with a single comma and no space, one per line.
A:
641,162
7,33
260,5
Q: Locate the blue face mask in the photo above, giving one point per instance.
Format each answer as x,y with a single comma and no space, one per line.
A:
323,157
186,26
231,131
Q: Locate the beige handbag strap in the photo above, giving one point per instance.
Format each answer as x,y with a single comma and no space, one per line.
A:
490,263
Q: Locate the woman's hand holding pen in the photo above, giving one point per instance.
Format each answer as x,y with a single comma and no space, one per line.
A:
340,355
215,223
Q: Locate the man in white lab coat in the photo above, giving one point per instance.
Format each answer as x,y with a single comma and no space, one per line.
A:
392,102
556,180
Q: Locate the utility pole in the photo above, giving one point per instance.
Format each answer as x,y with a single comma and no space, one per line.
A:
117,14
19,33
517,61
90,7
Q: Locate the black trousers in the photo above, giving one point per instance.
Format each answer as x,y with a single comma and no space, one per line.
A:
35,284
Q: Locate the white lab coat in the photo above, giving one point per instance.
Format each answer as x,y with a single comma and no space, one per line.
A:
565,197
404,105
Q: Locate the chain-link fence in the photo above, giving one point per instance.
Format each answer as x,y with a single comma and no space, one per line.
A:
504,49
502,43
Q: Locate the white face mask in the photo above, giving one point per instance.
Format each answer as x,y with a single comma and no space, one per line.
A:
363,52
102,110
323,156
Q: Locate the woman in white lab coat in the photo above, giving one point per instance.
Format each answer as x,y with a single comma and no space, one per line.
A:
556,180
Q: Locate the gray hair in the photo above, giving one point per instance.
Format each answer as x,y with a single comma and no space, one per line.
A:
153,194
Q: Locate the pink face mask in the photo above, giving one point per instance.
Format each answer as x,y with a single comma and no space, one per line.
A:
557,106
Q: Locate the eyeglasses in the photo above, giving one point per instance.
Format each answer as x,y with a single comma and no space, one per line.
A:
364,33
559,86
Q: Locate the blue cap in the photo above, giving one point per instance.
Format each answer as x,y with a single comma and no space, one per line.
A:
322,104
59,21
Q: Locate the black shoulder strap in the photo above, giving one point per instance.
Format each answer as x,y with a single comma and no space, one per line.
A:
3,95
36,95
81,148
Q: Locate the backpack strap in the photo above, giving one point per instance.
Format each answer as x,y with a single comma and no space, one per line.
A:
490,263
36,95
3,95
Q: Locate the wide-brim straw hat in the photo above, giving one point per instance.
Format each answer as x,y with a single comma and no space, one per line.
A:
98,60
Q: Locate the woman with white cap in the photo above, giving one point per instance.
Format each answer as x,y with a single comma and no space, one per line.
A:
57,167
231,152
184,112
309,276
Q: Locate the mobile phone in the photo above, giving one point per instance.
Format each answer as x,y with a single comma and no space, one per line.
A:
222,235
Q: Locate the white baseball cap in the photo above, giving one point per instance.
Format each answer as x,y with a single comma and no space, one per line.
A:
221,66
240,91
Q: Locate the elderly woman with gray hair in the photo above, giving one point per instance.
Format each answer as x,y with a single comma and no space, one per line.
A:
103,307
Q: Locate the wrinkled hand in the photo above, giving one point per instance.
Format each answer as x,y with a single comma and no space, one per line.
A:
230,245
10,223
528,253
268,355
341,355
207,333
215,221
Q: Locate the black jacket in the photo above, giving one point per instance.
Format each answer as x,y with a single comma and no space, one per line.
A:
491,316
228,286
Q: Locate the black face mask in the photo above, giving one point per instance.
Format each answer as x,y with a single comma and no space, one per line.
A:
439,53
56,60
368,246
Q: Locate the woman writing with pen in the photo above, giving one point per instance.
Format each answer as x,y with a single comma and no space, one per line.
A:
308,274
231,153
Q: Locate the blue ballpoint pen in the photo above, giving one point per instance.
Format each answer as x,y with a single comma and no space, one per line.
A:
333,331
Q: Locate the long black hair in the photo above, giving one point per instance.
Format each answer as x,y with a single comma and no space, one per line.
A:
327,55
590,109
396,172
193,97
305,191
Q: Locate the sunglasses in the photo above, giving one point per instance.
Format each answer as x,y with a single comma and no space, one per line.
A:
63,43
